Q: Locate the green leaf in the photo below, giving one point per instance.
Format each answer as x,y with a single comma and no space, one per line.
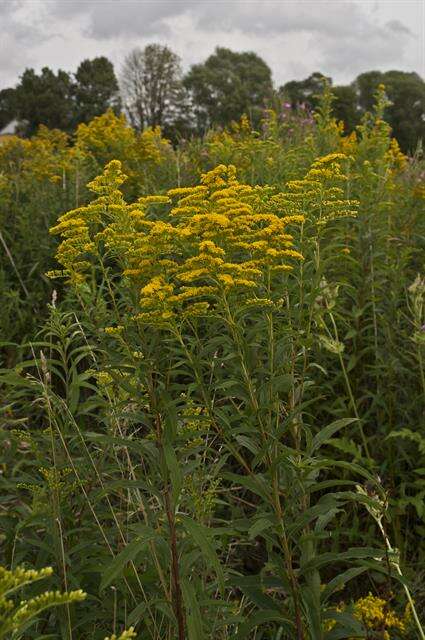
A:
200,536
340,581
128,554
254,587
327,433
175,472
137,613
324,519
254,483
260,618
355,553
261,524
193,613
346,626
248,443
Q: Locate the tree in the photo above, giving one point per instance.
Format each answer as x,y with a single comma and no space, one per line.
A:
44,99
365,86
95,89
227,85
406,113
304,92
345,106
151,86
8,106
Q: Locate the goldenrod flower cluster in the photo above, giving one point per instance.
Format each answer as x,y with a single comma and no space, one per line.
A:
125,635
187,249
76,226
376,615
348,144
321,192
243,146
114,331
15,615
395,157
202,493
11,580
46,157
55,481
217,237
193,422
110,136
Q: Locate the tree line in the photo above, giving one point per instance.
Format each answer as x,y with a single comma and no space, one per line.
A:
153,91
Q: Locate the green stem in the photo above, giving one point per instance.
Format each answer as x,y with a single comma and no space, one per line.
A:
349,390
406,588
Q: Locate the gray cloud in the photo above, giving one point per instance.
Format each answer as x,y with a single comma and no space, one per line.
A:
113,18
339,37
264,17
343,34
325,17
17,39
398,27
366,46
14,25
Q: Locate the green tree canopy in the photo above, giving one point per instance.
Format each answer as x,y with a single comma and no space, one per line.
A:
406,113
227,85
304,92
7,106
44,98
61,100
345,106
95,89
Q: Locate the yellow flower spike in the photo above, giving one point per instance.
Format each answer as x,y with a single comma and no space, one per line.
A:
185,191
112,331
218,236
207,246
77,227
226,279
147,200
376,615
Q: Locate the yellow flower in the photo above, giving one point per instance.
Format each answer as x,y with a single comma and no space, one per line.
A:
220,237
376,614
114,330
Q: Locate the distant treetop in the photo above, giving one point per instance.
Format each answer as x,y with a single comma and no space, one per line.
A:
154,92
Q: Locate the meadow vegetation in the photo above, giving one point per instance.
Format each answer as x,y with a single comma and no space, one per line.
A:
212,382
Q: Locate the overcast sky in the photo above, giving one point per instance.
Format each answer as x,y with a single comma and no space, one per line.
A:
296,37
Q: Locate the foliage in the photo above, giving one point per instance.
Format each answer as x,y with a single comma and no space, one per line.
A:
7,106
46,175
18,616
405,111
345,106
215,93
306,91
44,98
60,100
95,89
34,181
218,430
227,85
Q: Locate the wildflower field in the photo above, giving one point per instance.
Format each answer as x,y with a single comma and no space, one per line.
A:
212,382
